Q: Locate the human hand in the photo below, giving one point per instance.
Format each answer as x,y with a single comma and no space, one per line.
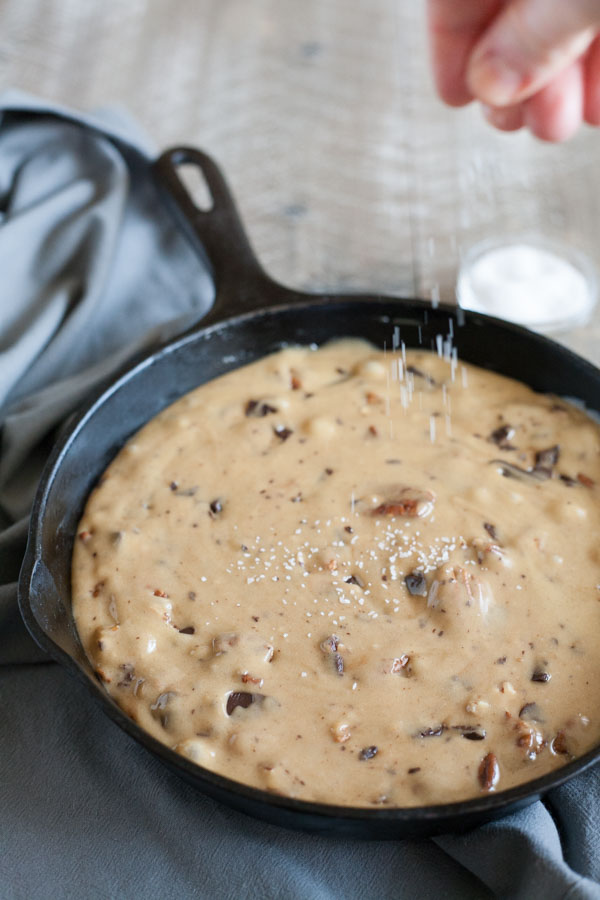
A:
533,63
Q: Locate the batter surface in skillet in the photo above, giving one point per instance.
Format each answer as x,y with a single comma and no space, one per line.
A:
353,577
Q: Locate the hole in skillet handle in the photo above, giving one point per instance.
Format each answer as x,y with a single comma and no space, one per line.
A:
199,199
196,186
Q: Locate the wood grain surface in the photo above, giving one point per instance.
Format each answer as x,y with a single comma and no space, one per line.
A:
348,171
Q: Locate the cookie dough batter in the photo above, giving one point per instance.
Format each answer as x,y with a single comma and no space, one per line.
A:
350,576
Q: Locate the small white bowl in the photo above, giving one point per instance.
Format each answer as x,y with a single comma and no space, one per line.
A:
534,281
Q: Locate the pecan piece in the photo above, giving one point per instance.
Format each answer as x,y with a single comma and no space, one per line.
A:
489,772
341,732
559,743
409,503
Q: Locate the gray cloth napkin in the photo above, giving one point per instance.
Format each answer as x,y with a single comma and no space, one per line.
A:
92,270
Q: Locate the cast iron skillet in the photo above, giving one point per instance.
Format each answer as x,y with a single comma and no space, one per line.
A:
252,316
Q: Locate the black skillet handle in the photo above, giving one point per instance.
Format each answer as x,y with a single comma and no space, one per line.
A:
217,234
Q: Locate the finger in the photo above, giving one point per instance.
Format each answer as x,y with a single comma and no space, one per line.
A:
556,112
591,78
505,118
527,45
454,28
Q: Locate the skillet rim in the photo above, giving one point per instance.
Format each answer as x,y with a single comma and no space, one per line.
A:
423,819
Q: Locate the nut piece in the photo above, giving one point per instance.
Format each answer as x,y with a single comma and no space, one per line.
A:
407,502
489,772
341,732
558,744
477,707
529,739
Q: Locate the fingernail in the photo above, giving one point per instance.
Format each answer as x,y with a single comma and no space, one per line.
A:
506,119
493,81
492,114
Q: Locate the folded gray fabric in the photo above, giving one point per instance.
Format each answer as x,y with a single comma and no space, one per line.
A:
92,271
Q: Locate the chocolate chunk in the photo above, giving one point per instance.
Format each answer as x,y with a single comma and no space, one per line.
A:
354,579
508,470
282,432
491,530
541,676
189,629
174,485
215,507
419,374
330,644
501,436
243,699
128,673
547,459
162,700
259,410
531,713
186,492
414,769
489,772
329,471
436,731
470,733
349,529
368,752
570,482
416,584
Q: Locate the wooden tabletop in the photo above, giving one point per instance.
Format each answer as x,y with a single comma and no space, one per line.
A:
348,171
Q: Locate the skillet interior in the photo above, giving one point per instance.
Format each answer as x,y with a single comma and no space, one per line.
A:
273,316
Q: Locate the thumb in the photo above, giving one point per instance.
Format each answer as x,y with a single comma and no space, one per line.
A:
528,43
